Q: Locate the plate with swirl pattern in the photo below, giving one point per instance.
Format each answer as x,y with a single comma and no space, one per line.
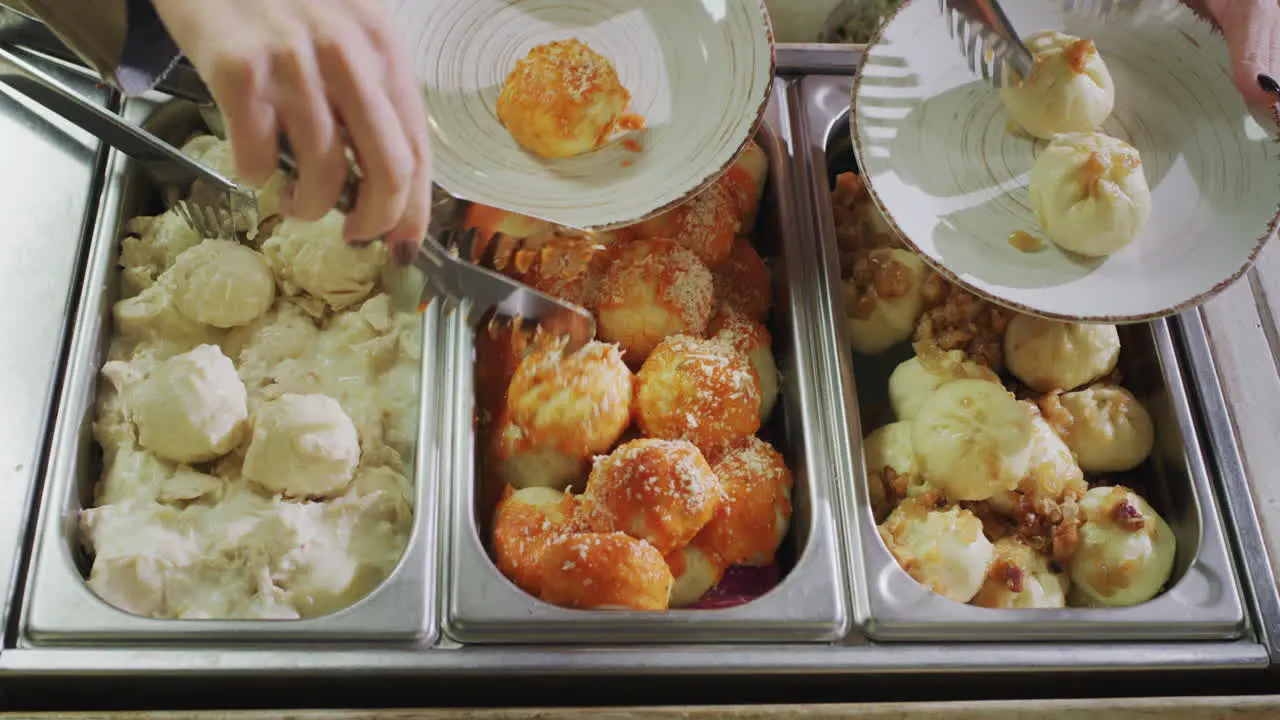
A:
950,170
699,73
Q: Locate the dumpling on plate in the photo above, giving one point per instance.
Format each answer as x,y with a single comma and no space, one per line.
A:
1048,355
1089,193
1070,88
562,99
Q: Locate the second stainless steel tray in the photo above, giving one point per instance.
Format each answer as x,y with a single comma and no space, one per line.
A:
1202,600
59,607
481,606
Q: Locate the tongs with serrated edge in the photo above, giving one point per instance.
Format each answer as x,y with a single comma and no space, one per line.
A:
987,39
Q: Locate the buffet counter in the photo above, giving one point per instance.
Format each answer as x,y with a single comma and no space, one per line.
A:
831,631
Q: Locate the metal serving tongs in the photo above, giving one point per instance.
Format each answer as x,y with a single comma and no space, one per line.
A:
217,207
214,206
448,261
987,39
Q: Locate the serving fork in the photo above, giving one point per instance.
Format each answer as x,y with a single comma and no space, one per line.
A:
987,39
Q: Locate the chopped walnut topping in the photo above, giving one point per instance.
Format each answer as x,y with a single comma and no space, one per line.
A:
1128,517
955,319
1014,578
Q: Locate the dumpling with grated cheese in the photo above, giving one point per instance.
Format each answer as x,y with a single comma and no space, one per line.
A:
562,99
659,491
652,290
698,390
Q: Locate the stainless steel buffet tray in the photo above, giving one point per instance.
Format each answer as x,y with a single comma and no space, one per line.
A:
1202,599
47,195
481,606
59,608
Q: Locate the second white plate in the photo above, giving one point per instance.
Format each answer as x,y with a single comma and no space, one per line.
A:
934,144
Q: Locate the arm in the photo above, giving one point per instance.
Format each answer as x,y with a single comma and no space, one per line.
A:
123,40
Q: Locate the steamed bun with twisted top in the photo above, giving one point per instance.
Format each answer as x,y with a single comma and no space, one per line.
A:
1053,474
884,299
1070,88
1089,193
1110,429
1126,549
1048,355
892,469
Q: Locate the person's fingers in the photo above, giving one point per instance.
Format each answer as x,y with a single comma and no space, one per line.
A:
308,122
1252,31
238,87
382,150
407,100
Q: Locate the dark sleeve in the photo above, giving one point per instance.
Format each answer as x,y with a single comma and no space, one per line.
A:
123,40
148,53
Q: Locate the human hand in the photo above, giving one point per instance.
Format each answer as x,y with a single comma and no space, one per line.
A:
1252,31
316,69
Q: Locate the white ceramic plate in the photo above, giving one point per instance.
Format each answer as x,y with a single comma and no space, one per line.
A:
933,143
699,71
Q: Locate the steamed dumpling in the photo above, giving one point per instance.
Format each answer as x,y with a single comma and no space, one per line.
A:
191,408
1126,550
1048,355
891,459
222,283
1110,429
1090,194
1053,472
972,440
1070,88
1021,578
914,380
887,299
944,550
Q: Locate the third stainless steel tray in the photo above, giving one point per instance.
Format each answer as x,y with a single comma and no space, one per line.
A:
1203,597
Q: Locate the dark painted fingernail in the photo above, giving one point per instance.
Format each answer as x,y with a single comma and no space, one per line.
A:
1268,84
